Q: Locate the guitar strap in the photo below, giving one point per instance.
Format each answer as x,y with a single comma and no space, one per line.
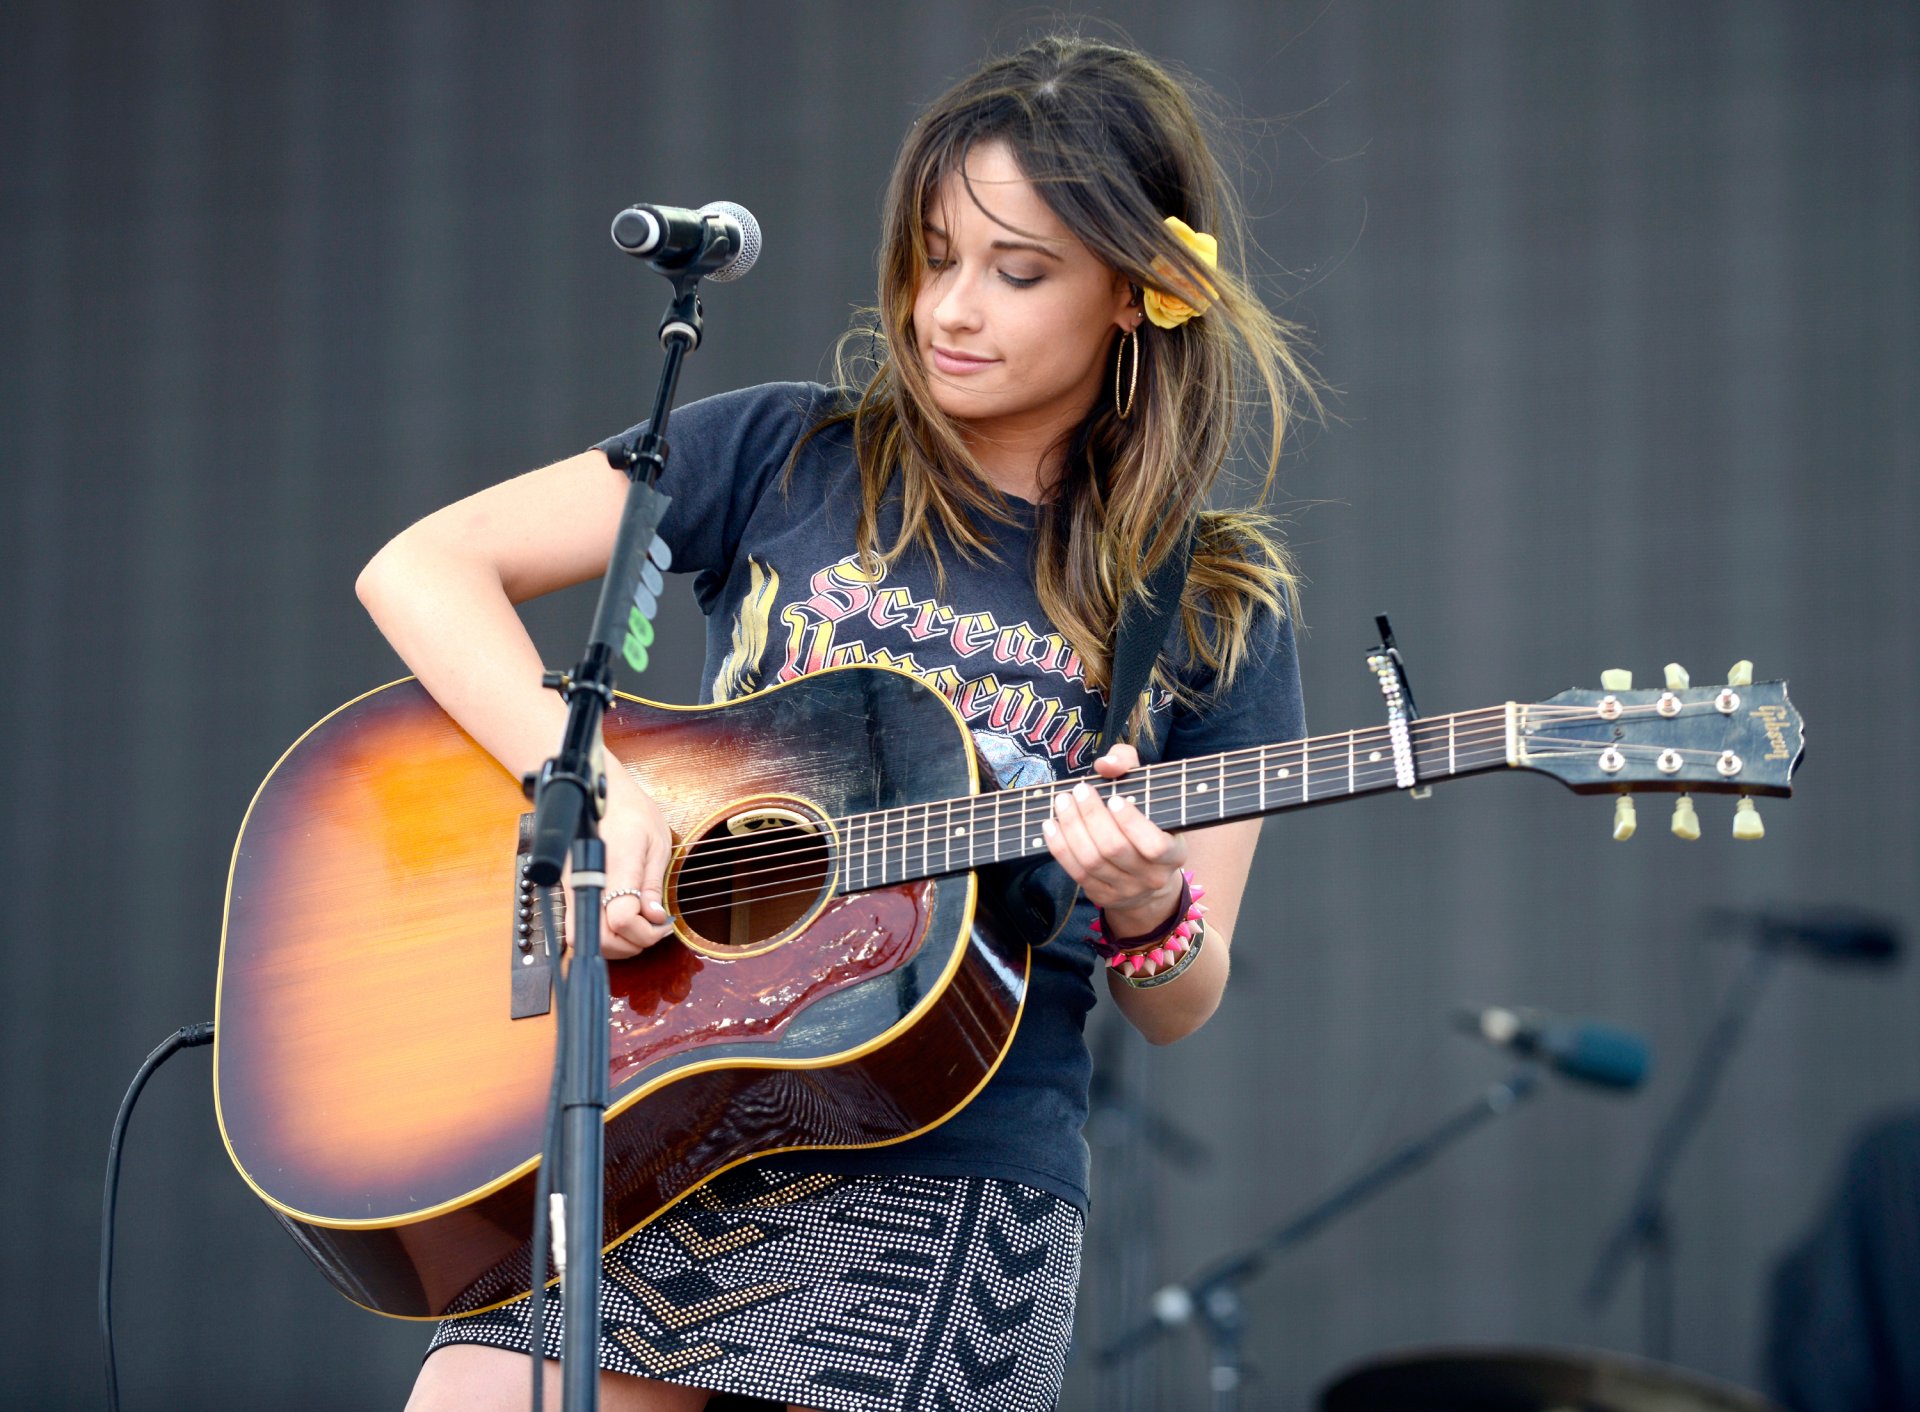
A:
1042,890
1139,639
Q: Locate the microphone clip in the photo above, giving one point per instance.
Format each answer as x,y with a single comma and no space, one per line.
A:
683,321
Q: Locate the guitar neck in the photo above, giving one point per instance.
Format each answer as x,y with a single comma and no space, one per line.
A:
896,845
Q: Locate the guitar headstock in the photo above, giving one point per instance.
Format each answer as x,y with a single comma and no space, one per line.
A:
1743,737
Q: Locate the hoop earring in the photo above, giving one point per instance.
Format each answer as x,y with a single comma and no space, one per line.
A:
1133,383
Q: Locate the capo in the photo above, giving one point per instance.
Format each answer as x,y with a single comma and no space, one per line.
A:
1391,671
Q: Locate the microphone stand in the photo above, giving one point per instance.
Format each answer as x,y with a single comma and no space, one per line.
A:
569,794
1645,1230
1213,1296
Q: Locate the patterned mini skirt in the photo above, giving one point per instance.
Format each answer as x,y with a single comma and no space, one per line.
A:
848,1294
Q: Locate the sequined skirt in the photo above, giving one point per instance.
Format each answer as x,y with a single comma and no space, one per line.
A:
848,1294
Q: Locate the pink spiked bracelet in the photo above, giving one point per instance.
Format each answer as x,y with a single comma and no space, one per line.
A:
1145,973
1164,951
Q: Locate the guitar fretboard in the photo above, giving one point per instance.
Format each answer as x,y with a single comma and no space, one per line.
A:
888,846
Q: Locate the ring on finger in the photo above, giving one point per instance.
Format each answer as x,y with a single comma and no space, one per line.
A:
607,898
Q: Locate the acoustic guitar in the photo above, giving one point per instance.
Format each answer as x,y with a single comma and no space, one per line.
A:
833,981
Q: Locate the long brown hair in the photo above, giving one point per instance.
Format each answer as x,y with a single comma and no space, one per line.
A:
1114,145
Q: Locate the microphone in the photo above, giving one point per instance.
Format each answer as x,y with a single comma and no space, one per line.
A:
719,242
1588,1050
1839,934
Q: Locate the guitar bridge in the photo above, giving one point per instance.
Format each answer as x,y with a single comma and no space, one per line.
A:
531,951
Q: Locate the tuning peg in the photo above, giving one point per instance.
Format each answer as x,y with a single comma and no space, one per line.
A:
1686,823
1624,819
1740,673
1616,679
1746,820
1677,678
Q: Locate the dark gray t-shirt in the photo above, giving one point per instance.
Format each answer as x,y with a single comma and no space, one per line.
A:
777,575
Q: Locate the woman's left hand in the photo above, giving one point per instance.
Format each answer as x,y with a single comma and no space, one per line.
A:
1127,865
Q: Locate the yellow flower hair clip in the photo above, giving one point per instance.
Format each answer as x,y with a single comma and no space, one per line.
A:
1172,310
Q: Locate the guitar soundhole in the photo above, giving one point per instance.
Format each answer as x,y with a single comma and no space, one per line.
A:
751,877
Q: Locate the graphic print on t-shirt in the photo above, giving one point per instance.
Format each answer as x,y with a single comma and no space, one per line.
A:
1031,712
739,671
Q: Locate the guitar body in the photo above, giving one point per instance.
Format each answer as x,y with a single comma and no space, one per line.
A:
371,1084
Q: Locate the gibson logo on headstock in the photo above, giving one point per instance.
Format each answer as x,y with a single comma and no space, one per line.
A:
1773,720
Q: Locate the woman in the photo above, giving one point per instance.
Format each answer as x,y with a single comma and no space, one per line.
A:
1052,395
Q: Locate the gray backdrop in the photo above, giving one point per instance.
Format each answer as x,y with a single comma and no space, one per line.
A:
1620,301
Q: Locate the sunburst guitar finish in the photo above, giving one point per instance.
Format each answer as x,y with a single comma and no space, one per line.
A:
370,1083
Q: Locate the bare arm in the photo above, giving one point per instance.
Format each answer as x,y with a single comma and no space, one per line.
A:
443,592
1220,857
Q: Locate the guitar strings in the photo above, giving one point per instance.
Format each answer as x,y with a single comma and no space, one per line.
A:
838,882
990,811
1427,730
907,839
1230,769
1022,797
907,835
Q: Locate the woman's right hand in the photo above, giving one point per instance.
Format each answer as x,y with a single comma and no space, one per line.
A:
638,845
